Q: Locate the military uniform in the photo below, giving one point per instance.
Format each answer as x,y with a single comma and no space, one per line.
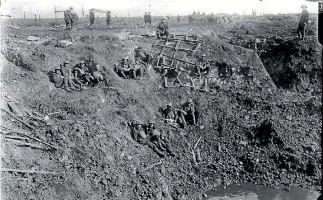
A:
178,18
188,112
203,66
146,19
92,17
143,56
74,19
65,71
148,137
124,68
149,19
108,18
162,29
136,70
67,18
303,22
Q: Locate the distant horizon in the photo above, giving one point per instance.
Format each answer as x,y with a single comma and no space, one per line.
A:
124,8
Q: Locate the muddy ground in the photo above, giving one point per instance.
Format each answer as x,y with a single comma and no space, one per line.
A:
265,131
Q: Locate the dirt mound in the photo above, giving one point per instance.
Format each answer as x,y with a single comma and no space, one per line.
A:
98,158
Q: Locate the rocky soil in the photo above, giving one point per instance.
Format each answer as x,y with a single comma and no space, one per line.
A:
265,131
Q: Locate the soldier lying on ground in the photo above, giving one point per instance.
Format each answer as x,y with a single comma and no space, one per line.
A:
152,137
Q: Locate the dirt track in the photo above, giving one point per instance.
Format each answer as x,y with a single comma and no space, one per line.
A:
249,132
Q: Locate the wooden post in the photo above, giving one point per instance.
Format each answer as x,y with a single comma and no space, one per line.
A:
55,13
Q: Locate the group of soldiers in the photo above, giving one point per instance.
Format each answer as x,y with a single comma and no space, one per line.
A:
186,114
84,74
92,17
148,134
126,69
71,18
147,19
197,18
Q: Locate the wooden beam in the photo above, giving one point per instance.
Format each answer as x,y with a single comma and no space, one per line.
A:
182,49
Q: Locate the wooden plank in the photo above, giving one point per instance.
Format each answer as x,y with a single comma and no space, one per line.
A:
182,49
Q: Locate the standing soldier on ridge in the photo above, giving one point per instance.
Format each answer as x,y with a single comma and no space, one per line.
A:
108,18
92,17
178,18
149,19
68,16
303,22
146,18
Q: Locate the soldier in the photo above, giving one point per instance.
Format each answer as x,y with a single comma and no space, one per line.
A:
145,139
188,112
149,19
136,70
162,28
203,66
68,16
143,56
80,74
97,77
92,17
178,18
65,71
124,68
164,143
74,20
146,18
170,113
108,18
303,22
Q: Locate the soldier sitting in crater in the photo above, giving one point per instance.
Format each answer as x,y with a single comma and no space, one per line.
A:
143,56
124,68
203,66
136,70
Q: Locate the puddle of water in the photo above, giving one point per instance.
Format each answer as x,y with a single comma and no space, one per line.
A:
248,191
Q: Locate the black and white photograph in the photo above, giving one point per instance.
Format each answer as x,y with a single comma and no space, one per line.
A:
161,100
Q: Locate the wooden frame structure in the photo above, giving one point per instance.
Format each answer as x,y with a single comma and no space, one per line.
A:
174,44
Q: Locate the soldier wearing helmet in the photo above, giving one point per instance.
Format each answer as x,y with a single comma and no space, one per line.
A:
92,17
65,72
124,68
162,29
170,113
68,17
142,55
108,18
303,22
188,112
139,132
203,66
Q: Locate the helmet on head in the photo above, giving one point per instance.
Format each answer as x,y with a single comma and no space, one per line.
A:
138,122
151,122
304,6
203,55
164,18
71,8
170,104
66,61
190,100
82,62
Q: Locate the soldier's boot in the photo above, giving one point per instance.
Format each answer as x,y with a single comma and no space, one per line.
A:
123,75
66,86
194,119
155,149
133,74
139,74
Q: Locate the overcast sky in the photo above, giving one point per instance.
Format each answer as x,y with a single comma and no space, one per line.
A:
45,8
